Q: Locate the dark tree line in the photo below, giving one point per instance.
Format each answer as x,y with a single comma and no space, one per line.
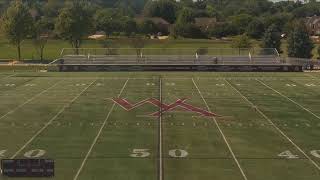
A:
73,20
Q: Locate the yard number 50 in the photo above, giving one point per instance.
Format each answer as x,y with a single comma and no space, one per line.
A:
142,153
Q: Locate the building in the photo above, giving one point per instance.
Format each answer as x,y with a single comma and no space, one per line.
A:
313,25
205,23
161,24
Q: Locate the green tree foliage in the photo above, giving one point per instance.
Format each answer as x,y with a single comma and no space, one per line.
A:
138,43
129,26
106,20
16,24
147,27
272,38
186,15
241,42
167,9
255,29
187,30
51,8
223,30
241,21
125,7
42,27
74,22
299,42
280,20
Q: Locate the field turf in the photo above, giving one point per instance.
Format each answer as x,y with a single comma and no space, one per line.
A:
212,126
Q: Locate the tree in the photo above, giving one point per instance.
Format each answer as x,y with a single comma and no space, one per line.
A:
148,27
241,21
186,15
110,45
299,42
129,26
40,35
167,9
272,38
51,8
241,42
223,30
187,30
138,43
75,22
106,20
255,29
16,24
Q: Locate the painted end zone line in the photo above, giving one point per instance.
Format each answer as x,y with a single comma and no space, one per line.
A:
29,100
99,133
51,120
294,102
274,125
222,134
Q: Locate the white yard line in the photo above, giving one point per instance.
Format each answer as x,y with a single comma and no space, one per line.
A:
89,78
309,75
98,135
296,103
51,120
222,134
274,125
29,100
11,75
160,134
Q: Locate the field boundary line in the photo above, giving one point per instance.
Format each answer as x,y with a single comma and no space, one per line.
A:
99,133
274,125
160,132
51,120
88,78
29,100
221,132
11,75
296,103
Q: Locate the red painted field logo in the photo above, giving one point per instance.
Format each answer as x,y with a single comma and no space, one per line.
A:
180,103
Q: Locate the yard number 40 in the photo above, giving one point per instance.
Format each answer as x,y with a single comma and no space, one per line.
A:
289,155
142,153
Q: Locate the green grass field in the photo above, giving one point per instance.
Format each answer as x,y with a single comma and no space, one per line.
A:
266,127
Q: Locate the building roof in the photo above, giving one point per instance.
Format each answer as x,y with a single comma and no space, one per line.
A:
313,20
156,20
205,22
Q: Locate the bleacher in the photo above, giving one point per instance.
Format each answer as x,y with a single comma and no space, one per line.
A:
168,59
201,59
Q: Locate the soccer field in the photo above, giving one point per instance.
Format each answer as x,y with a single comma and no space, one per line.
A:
164,126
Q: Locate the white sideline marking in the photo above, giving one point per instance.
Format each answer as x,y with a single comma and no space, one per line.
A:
296,103
160,133
222,134
98,135
29,100
11,75
51,120
275,126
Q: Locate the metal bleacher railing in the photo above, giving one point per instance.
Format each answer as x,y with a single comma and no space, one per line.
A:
151,56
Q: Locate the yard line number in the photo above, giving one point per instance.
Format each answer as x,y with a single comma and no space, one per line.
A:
143,153
289,155
35,153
